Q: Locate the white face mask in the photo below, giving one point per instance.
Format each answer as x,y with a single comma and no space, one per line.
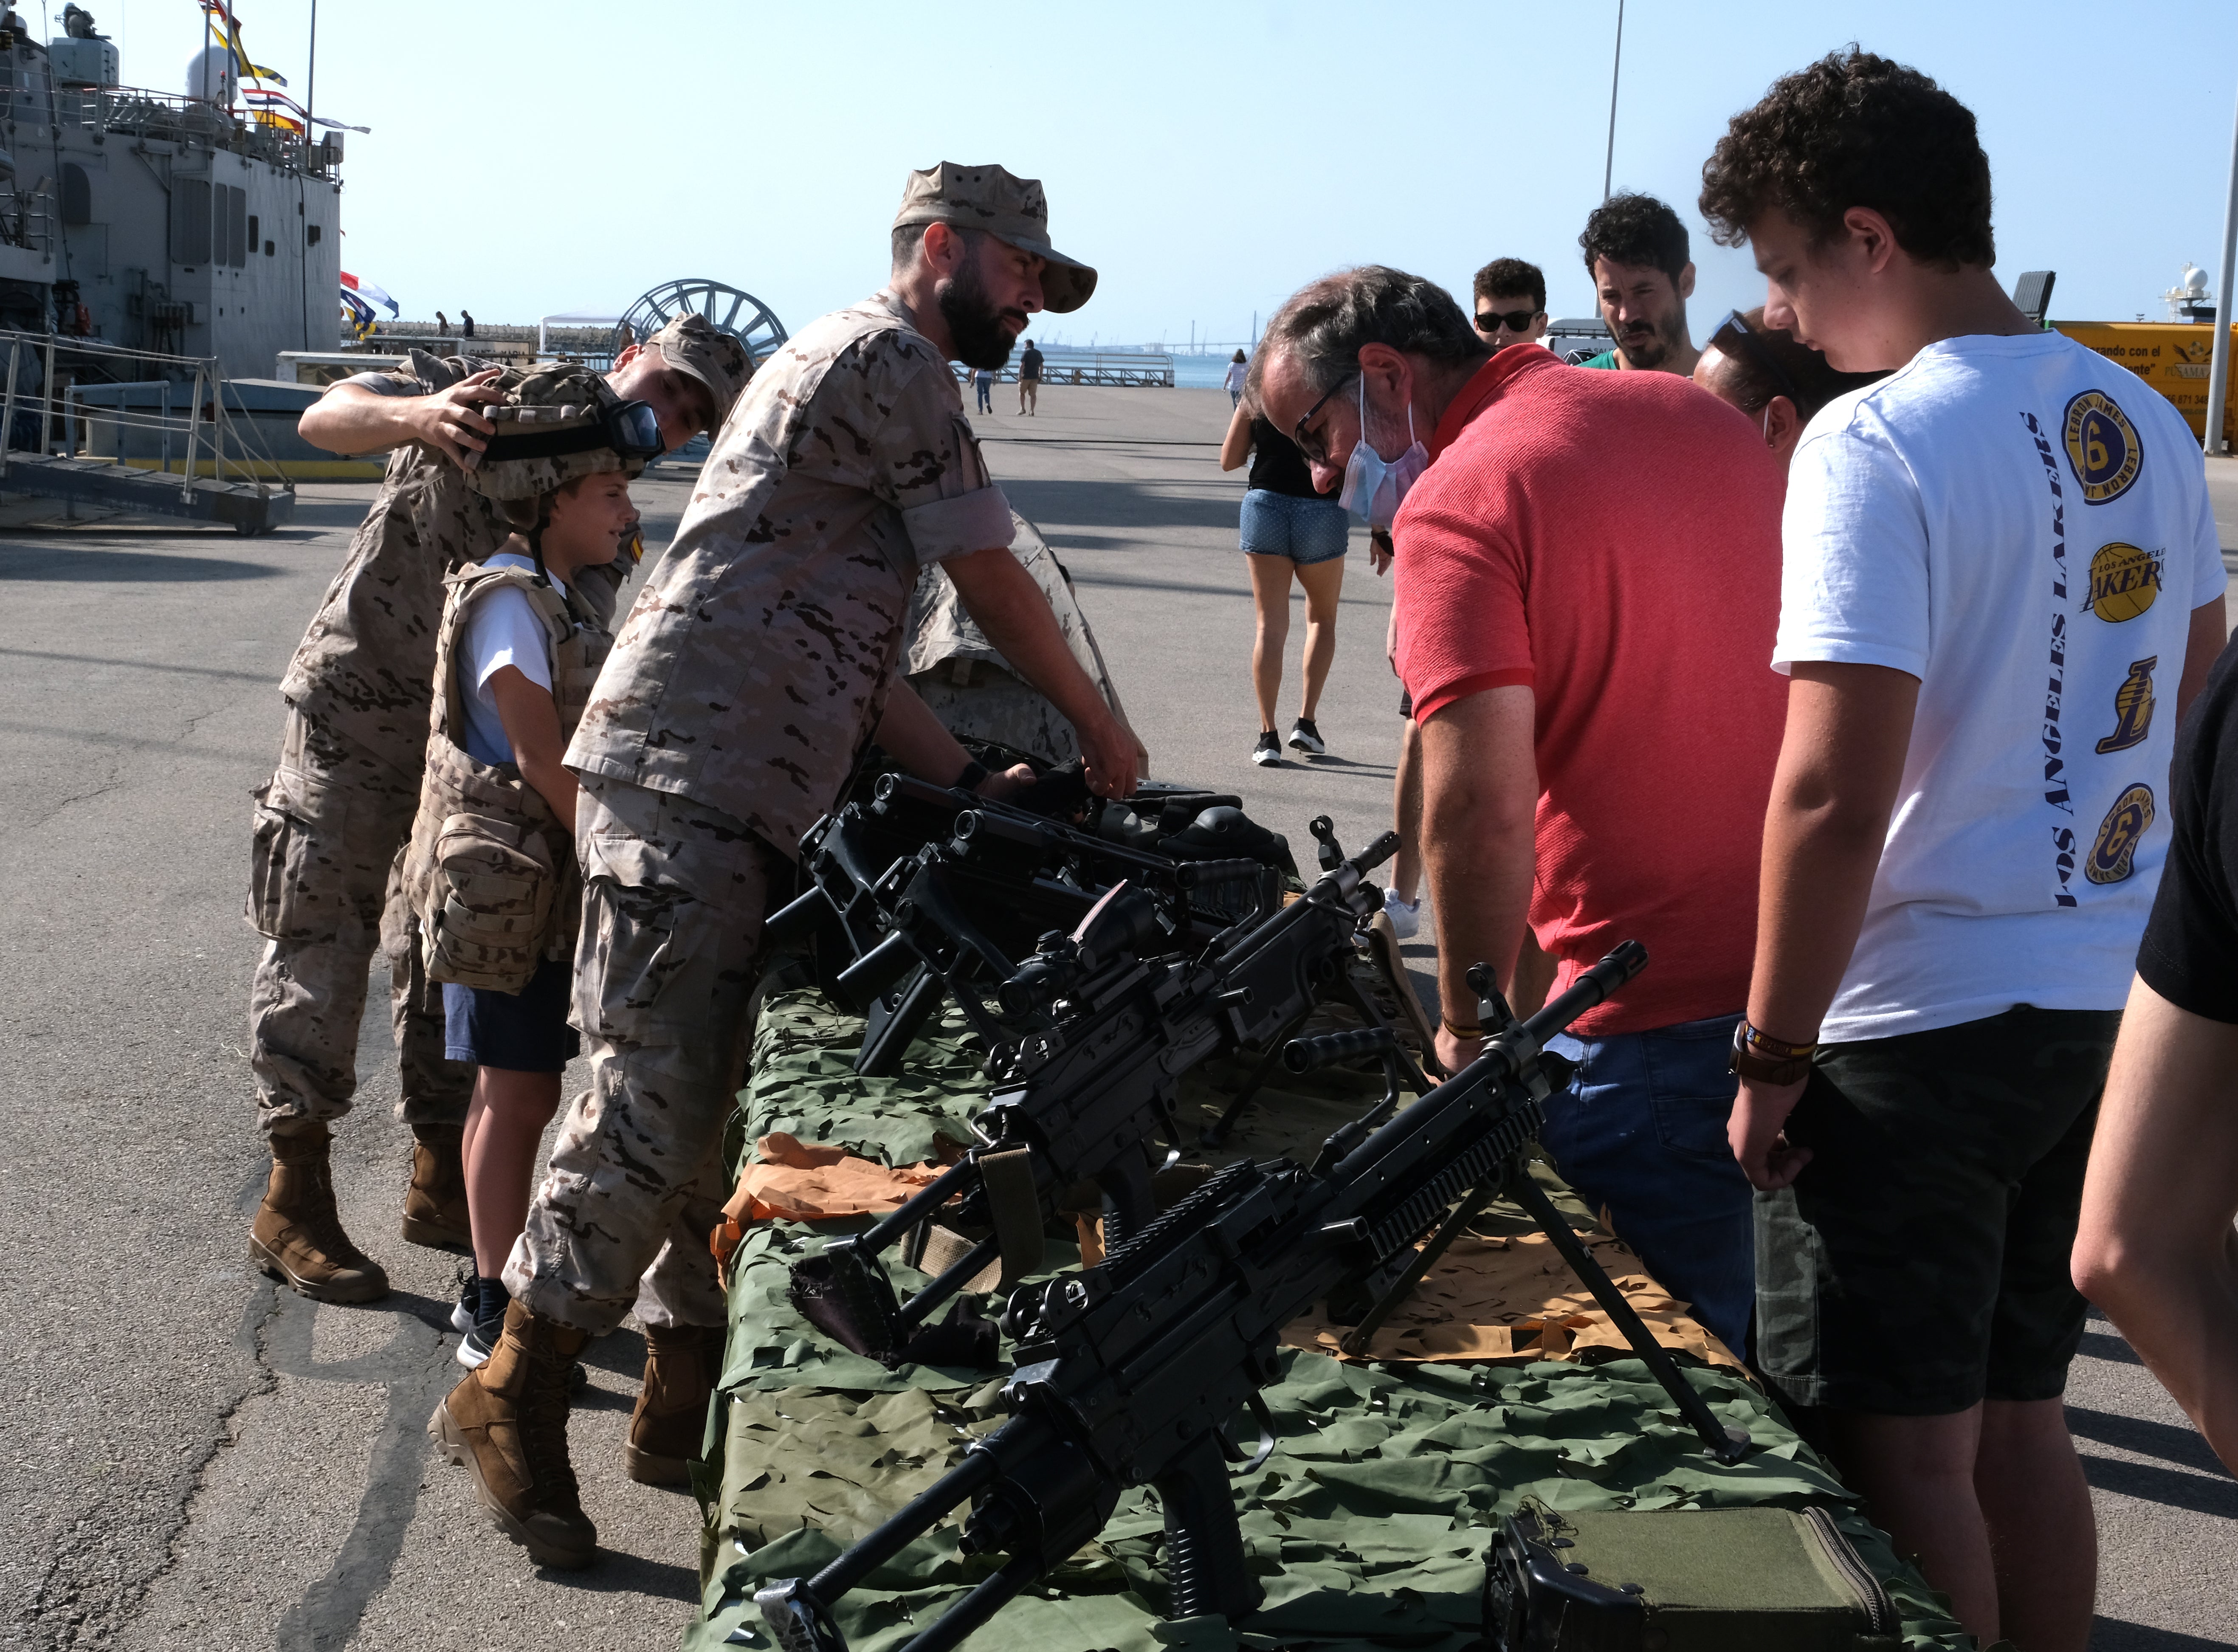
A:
1374,485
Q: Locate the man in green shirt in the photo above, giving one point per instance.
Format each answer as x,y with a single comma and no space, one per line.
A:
1636,250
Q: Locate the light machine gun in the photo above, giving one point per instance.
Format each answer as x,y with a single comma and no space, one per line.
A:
1101,1029
1130,1373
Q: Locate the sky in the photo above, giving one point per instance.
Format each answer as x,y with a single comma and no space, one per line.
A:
535,156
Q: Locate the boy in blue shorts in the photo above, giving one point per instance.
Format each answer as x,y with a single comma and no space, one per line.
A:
491,870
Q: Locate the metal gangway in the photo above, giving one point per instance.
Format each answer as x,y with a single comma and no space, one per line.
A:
1063,365
221,472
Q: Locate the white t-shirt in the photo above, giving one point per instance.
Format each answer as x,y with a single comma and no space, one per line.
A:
2024,527
1234,379
501,630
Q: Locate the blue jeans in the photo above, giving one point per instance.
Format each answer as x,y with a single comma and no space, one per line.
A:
986,395
1641,1132
1305,530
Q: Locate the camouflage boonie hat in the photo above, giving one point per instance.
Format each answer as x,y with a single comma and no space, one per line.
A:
695,345
1005,206
548,402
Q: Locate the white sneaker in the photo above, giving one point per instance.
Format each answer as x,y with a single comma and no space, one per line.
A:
1406,916
1267,753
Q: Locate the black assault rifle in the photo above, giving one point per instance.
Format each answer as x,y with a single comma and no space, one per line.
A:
1099,1030
898,927
1131,1373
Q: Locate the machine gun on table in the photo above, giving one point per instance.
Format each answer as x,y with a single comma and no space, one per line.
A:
925,893
1131,1373
1095,1031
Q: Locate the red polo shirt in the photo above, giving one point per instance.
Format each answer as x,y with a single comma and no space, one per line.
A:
1611,541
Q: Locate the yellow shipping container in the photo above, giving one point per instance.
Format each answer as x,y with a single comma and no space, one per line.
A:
2171,357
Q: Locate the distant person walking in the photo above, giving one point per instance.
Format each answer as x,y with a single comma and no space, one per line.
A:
465,323
442,323
1288,527
1029,380
982,380
1233,383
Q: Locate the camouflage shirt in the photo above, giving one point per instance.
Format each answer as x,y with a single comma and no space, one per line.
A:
755,662
365,668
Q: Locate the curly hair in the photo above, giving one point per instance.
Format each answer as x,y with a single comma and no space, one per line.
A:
1629,228
1856,131
1507,277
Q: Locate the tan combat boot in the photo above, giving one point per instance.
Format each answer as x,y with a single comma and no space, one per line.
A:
435,1203
508,1424
297,1237
670,1422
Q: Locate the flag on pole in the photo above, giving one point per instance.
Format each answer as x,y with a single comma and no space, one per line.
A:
228,30
366,289
357,315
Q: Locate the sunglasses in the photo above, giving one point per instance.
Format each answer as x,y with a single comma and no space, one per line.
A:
1311,445
1758,349
1489,320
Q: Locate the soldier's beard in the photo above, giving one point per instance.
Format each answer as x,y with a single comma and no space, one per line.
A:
974,326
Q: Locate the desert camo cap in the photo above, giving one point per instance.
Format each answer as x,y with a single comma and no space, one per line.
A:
695,345
1009,207
555,398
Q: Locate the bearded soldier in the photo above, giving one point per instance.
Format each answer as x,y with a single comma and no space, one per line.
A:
341,804
754,667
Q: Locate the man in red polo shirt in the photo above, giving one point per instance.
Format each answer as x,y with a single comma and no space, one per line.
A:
1587,584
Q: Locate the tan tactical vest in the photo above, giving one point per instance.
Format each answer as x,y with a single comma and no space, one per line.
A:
490,875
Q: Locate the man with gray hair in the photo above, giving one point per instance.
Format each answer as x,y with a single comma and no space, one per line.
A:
1586,645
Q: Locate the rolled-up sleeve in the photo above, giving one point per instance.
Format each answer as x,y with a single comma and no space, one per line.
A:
929,458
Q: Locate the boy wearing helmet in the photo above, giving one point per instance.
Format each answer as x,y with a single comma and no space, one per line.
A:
490,875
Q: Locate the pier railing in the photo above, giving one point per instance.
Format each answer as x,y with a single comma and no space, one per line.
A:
1062,366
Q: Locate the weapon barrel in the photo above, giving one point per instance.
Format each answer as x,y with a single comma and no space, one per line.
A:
1199,875
966,1480
952,1627
1309,1055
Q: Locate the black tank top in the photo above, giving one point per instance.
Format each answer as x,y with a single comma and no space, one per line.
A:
1277,467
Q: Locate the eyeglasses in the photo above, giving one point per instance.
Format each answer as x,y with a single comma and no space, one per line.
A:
1314,449
1758,349
1490,321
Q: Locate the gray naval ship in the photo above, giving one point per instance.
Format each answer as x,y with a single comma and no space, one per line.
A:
158,252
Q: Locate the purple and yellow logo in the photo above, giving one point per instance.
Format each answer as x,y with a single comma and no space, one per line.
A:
2101,446
2111,858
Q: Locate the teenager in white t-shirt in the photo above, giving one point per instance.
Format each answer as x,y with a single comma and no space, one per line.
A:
2001,586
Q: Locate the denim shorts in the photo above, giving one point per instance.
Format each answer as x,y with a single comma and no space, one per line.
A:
523,1032
1305,530
1641,1133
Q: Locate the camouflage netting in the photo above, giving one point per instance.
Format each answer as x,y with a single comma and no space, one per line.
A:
1367,1526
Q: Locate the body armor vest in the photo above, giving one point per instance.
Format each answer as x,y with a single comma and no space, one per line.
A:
490,875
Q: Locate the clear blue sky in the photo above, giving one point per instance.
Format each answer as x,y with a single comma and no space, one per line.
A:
536,156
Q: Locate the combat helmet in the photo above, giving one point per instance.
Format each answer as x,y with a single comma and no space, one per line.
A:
557,424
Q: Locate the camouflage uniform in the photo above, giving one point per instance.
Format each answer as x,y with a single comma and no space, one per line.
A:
324,891
969,685
742,689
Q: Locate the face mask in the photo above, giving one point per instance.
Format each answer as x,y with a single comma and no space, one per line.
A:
1373,486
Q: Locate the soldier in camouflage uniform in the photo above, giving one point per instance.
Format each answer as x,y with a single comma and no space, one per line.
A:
742,689
329,823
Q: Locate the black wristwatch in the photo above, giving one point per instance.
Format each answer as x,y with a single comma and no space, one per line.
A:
974,777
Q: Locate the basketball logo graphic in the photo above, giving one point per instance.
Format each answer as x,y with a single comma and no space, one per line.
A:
2101,446
2125,580
2119,834
2133,707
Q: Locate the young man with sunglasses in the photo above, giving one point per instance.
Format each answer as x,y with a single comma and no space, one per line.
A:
341,804
1597,739
1511,302
2002,587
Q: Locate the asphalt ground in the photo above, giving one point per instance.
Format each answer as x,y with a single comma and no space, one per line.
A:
200,1460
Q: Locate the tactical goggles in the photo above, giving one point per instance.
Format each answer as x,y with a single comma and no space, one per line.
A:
1515,320
630,428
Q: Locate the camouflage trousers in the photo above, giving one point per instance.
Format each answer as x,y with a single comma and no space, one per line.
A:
324,893
673,900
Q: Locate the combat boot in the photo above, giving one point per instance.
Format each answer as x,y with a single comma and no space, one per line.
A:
508,1424
297,1237
435,1203
670,1424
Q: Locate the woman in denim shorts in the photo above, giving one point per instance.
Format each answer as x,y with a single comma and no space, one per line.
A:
1288,529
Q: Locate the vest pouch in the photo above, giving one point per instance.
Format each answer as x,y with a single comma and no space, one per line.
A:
495,884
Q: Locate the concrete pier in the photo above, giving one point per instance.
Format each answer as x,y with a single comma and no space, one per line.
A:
199,1460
